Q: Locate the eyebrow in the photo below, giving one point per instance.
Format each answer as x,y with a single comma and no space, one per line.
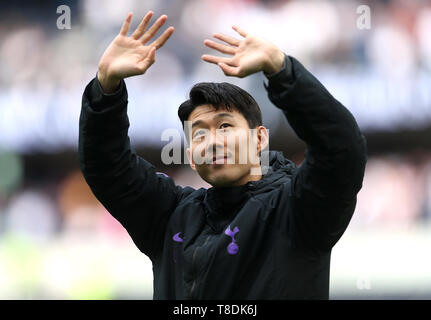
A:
218,115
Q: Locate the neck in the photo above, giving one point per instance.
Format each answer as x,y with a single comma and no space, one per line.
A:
254,174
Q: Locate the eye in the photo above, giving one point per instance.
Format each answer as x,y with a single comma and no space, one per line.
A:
225,124
198,134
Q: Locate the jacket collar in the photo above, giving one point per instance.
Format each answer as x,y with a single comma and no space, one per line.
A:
221,203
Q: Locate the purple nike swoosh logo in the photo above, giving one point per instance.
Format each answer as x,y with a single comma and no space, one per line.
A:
177,238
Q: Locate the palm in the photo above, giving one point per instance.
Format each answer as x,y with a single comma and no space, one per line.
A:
129,56
126,56
250,55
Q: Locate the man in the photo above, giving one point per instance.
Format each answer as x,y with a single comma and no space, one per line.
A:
256,234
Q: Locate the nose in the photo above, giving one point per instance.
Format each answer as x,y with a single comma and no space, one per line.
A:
215,143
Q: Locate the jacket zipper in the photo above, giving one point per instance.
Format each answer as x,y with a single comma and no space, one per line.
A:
195,268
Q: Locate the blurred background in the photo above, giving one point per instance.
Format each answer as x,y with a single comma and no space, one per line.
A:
58,242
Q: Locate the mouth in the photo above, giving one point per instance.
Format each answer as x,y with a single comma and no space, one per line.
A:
219,160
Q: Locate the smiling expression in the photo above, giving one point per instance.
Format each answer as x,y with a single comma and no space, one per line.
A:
224,148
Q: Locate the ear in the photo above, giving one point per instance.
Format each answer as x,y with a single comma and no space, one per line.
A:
262,138
192,164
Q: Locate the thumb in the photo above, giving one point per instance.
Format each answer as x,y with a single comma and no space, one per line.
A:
228,70
152,54
149,60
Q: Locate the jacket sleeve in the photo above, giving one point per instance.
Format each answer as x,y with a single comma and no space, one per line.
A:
324,188
127,185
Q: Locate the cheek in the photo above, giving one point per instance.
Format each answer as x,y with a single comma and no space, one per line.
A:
197,153
243,149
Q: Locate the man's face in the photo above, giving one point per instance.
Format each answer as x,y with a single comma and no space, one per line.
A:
223,149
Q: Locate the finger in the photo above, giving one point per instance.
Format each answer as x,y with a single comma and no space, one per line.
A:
216,60
126,24
154,28
160,41
142,26
219,47
240,31
229,70
227,39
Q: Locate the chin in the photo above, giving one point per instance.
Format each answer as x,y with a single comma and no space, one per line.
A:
222,176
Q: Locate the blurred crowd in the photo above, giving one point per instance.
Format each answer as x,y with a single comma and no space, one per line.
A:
57,240
379,73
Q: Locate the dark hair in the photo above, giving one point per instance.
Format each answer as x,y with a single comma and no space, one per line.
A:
224,95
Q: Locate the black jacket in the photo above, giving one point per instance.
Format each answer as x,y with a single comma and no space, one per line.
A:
267,239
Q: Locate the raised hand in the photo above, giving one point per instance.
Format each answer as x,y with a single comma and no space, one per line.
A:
130,56
249,55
